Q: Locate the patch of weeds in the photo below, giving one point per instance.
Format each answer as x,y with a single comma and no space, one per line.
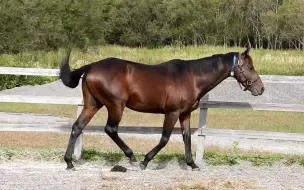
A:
213,157
290,161
217,158
112,157
162,160
234,154
109,157
52,154
9,154
260,160
139,156
301,161
91,155
220,158
232,157
168,157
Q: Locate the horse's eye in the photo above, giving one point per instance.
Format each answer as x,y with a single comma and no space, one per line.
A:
250,66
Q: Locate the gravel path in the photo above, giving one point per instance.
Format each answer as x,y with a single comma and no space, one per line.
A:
43,175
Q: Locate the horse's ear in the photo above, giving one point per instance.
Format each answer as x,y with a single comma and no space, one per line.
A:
246,52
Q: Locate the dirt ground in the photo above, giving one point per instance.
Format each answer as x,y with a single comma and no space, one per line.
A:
52,175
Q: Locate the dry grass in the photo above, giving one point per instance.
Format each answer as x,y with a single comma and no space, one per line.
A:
38,140
217,118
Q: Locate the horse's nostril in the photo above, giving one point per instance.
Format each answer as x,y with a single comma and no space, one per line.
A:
262,89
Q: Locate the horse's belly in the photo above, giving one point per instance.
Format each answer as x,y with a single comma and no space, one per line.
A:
149,103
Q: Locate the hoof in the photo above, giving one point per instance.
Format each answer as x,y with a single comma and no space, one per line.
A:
70,168
193,166
142,166
133,159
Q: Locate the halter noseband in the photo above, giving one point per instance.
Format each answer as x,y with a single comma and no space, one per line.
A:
238,64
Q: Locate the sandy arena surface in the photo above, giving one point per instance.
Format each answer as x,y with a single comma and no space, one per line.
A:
52,175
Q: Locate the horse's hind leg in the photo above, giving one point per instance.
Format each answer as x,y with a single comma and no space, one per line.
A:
91,106
114,117
185,126
170,120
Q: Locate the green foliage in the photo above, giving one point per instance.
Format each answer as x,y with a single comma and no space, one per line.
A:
259,160
50,25
290,160
301,162
163,158
109,157
223,158
11,81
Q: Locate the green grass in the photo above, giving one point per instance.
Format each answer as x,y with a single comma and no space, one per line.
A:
211,157
301,162
109,157
268,62
219,158
217,118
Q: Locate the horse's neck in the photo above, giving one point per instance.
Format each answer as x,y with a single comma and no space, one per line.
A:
211,81
218,80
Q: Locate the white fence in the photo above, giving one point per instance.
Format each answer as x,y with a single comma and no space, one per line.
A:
202,130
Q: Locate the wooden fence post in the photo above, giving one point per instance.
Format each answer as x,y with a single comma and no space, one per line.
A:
79,141
200,146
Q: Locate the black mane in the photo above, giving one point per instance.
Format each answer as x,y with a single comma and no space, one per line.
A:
204,65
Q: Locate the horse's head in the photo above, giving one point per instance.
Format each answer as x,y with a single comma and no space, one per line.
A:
243,71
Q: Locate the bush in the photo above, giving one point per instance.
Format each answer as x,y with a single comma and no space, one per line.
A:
12,81
49,25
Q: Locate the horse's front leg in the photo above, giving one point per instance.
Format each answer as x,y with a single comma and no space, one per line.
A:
169,122
185,126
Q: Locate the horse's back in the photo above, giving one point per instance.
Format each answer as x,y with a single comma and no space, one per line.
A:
115,66
139,85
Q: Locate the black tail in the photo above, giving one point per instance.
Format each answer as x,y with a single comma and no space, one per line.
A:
71,78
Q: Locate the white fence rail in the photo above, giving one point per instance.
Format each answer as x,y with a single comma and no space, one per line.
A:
28,71
41,99
202,130
253,106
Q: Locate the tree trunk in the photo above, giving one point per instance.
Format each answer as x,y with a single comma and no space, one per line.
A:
268,43
256,41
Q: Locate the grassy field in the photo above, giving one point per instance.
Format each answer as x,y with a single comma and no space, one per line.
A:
217,118
267,62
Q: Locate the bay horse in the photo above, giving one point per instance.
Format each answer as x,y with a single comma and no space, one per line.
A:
173,88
